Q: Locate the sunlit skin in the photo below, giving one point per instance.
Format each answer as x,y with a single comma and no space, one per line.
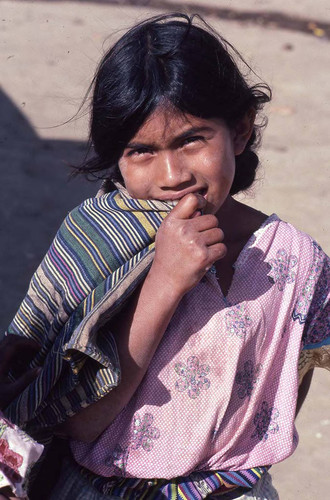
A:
174,154
191,160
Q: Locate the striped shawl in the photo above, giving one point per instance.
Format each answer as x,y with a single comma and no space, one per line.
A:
100,254
102,251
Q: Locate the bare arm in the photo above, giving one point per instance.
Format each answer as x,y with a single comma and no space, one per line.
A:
186,246
138,331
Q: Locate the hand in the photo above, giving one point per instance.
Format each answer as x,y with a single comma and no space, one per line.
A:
187,245
15,354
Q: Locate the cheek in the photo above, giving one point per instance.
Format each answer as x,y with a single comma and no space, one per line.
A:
135,180
126,173
220,167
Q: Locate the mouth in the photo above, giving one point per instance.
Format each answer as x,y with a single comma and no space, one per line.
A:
178,196
203,192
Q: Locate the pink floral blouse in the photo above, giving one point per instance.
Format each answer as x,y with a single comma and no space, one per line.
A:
221,390
18,453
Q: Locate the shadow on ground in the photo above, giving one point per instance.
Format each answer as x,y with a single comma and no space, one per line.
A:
36,194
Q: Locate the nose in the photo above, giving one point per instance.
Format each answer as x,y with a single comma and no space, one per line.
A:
174,171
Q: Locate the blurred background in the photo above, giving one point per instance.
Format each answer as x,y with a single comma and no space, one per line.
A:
49,52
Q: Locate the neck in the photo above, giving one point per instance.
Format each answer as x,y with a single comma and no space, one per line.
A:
238,221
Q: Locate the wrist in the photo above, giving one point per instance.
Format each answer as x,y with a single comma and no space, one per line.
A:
163,286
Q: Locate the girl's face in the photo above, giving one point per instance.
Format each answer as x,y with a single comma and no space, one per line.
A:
174,154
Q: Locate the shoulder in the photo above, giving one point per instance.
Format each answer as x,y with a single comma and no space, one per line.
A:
292,255
283,234
91,213
103,202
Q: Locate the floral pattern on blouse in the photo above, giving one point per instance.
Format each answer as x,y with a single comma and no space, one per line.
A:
237,321
119,459
247,378
209,329
144,433
193,377
317,272
142,436
265,422
281,269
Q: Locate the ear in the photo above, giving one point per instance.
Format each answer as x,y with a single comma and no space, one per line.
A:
242,131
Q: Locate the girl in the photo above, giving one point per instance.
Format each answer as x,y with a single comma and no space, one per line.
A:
175,322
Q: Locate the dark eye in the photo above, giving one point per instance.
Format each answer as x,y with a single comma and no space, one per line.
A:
193,139
139,152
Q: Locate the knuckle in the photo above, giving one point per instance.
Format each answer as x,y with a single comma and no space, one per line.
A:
167,224
184,232
201,255
213,220
222,250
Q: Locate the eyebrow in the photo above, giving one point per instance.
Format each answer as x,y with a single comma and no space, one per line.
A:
188,133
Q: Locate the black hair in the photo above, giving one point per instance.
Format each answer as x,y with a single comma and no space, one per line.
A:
169,58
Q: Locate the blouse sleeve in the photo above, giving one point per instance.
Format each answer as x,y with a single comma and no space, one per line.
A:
316,335
18,453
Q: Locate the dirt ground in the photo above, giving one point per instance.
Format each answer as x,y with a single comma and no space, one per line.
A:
49,51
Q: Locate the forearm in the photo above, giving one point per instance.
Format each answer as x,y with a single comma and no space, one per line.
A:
187,244
137,331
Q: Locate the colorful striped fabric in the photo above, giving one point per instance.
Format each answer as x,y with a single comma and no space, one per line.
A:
101,252
199,485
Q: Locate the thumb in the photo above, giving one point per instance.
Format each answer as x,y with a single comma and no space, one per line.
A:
188,206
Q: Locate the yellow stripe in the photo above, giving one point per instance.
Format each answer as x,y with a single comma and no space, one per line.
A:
181,494
219,477
173,491
144,221
257,473
87,251
29,316
92,299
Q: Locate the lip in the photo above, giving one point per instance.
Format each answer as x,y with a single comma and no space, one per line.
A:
177,196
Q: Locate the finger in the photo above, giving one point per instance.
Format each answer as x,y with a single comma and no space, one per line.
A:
22,382
216,252
212,236
204,222
187,206
198,213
